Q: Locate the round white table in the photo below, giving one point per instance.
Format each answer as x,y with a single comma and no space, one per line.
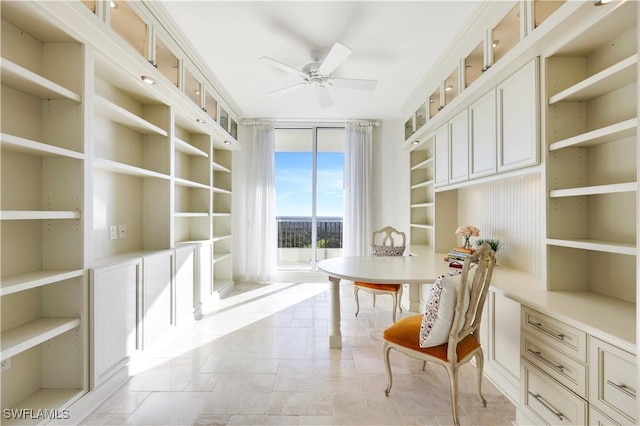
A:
422,269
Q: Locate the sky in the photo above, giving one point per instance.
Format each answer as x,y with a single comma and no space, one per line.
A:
293,183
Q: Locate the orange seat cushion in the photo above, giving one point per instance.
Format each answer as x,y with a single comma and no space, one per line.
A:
406,332
387,287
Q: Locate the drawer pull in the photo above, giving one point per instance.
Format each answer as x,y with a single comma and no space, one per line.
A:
545,330
548,406
537,354
622,388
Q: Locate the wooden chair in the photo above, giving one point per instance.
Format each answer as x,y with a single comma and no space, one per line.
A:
463,341
385,248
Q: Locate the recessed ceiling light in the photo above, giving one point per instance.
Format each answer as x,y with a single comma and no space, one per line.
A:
113,5
496,42
415,142
200,120
601,2
227,142
150,81
448,88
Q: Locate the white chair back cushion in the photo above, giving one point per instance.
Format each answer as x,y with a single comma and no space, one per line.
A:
440,309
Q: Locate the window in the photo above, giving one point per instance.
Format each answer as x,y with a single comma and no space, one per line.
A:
309,166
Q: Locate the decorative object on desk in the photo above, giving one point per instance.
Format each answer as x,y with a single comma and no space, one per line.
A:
494,243
467,231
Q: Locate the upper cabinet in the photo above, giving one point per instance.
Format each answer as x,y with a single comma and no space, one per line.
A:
474,64
505,35
459,148
130,26
518,123
482,136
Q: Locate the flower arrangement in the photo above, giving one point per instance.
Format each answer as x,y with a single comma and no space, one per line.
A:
467,231
494,243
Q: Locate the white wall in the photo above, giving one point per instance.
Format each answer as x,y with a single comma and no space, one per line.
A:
390,199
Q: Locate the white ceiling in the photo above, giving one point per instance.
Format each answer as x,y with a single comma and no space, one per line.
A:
394,42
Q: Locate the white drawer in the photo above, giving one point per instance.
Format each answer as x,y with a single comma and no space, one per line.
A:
548,401
612,381
560,336
596,418
564,369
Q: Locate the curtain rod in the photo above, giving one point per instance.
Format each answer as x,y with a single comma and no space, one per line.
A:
310,122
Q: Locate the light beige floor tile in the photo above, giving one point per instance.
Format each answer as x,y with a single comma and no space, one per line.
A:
169,374
240,394
105,419
169,408
301,403
122,402
365,408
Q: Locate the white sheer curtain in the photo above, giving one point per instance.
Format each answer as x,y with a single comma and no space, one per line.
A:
261,206
357,178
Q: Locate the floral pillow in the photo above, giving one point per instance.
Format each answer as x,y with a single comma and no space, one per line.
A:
441,305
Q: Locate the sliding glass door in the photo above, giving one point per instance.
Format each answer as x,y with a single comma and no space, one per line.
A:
309,164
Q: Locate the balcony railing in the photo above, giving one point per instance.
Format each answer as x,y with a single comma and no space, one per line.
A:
295,232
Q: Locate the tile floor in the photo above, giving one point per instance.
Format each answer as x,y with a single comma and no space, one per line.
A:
263,359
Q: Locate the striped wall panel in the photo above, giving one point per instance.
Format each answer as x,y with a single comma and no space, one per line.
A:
510,210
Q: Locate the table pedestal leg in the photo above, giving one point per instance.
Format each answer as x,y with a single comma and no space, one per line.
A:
335,337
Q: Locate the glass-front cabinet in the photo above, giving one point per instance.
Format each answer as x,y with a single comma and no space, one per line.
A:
451,87
434,103
210,105
129,26
192,87
506,34
166,62
474,64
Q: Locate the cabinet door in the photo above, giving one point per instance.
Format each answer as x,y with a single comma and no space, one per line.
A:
518,106
503,360
441,144
114,290
156,306
459,164
482,136
185,282
613,381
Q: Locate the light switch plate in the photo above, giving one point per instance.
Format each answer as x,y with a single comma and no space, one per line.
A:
122,231
113,232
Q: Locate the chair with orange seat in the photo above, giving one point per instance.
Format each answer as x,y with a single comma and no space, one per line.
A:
385,248
448,332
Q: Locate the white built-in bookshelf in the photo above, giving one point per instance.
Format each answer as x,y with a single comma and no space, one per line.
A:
87,149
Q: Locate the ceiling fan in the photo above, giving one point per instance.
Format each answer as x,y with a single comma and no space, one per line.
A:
318,75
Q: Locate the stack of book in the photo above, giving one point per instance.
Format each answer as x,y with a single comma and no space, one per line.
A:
458,255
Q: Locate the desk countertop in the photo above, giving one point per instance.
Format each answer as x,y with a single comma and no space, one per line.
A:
604,317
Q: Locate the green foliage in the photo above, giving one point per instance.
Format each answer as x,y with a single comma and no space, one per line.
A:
494,243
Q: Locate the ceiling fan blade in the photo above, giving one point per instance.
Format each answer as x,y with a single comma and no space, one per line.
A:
354,83
324,97
282,66
338,53
286,89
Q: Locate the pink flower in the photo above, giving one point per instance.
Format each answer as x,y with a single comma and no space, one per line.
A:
468,231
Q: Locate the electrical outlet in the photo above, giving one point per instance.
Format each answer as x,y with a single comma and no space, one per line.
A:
122,231
113,232
5,365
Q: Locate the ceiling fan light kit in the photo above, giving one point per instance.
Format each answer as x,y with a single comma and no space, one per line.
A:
317,75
